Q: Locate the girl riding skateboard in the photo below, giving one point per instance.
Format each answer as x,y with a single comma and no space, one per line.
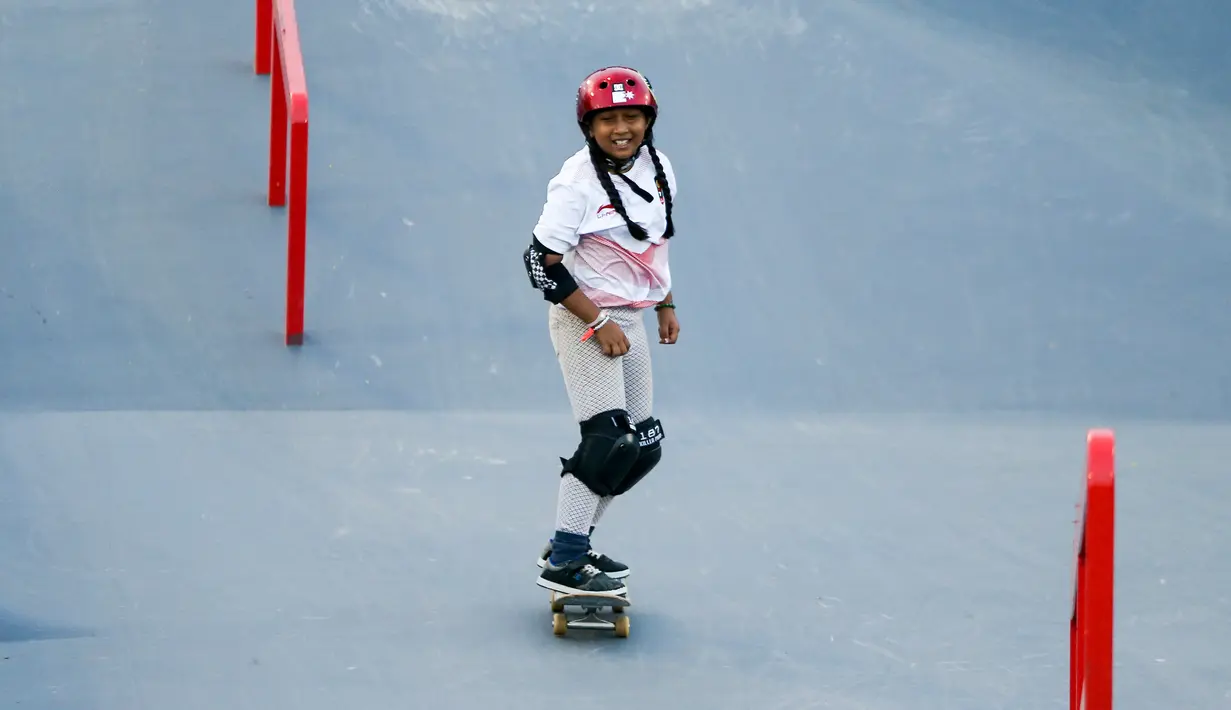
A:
599,257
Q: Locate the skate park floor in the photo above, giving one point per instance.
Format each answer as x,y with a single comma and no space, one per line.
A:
316,559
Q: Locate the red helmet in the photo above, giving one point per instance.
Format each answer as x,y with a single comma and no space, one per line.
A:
615,87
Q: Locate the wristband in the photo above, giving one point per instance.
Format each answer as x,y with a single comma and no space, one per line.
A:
661,306
591,328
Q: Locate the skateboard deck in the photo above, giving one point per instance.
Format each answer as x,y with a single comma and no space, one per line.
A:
591,606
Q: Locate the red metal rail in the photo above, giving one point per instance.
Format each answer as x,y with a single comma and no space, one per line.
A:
278,50
1091,628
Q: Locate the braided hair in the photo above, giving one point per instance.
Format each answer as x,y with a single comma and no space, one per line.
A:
603,166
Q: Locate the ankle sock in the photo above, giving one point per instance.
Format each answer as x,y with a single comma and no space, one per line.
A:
567,546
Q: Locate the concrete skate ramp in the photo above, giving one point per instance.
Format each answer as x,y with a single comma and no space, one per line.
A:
880,209
923,246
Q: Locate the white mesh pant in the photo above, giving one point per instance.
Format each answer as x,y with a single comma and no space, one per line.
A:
597,383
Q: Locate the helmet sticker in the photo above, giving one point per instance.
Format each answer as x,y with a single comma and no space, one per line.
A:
619,95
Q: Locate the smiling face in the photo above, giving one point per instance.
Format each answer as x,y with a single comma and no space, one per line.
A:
619,132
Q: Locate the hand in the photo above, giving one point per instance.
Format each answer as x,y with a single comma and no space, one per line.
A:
668,326
612,339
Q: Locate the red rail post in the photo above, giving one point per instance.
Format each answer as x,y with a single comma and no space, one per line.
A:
277,130
1092,626
288,104
264,34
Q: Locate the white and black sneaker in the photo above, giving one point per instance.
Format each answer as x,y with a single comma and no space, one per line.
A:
578,576
606,565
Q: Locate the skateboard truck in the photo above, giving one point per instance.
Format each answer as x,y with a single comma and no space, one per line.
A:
591,606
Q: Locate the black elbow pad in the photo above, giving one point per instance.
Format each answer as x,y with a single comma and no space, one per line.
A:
554,281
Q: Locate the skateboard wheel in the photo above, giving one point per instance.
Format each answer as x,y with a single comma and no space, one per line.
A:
559,624
621,627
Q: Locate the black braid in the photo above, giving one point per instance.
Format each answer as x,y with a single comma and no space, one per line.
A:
599,159
661,178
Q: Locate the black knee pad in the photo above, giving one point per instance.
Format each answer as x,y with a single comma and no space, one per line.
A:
649,437
607,452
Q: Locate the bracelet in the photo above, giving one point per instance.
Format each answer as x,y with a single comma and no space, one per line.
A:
661,306
591,328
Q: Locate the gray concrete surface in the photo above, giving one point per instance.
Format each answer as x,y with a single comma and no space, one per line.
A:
923,246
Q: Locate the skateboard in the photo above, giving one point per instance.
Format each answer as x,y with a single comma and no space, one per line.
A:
591,605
